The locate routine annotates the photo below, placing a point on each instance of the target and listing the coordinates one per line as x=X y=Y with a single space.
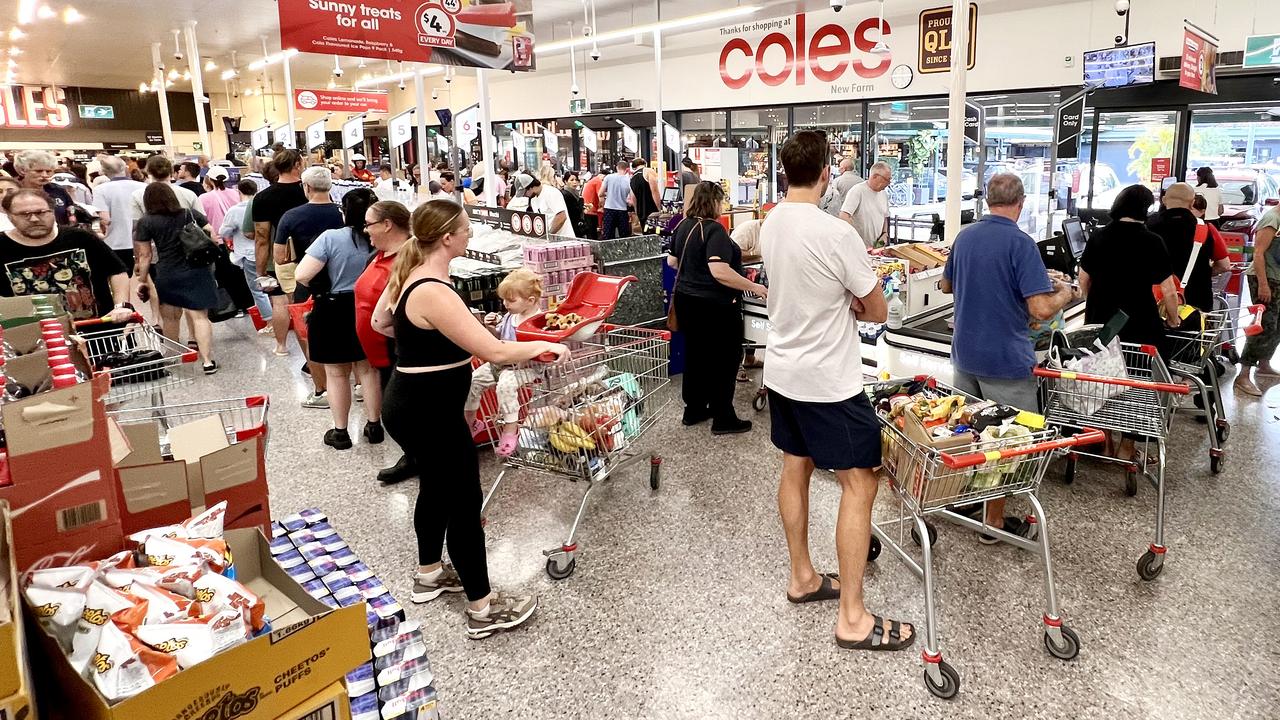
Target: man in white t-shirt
x=867 y=206
x=547 y=201
x=821 y=284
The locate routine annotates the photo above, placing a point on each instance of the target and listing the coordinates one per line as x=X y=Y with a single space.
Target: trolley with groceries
x=1138 y=397
x=585 y=418
x=142 y=362
x=935 y=460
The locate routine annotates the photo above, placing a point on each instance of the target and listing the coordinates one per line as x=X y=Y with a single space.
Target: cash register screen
x=670 y=195
x=1075 y=235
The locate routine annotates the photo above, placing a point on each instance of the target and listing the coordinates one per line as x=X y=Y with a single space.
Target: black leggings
x=423 y=414
x=713 y=351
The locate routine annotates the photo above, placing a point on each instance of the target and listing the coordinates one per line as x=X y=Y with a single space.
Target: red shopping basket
x=298 y=313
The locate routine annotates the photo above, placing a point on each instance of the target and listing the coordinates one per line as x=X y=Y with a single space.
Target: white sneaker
x=318 y=401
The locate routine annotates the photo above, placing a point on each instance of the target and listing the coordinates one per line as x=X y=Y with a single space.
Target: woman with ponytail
x=436 y=337
x=217 y=198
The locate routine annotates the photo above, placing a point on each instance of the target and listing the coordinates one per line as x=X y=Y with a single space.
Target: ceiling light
x=142 y=88
x=186 y=75
x=332 y=83
x=16 y=34
x=15 y=51
x=366 y=80
x=168 y=83
x=664 y=25
x=26 y=11
x=362 y=64
x=229 y=74
x=210 y=65
x=45 y=12
x=173 y=74
x=13 y=63
x=71 y=15
x=272 y=59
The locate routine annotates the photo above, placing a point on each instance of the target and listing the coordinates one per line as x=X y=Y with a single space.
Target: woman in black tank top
x=436 y=337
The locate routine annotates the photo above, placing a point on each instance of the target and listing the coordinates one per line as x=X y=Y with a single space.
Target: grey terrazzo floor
x=677 y=609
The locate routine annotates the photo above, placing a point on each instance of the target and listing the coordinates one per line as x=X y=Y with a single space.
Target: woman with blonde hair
x=547 y=175
x=436 y=335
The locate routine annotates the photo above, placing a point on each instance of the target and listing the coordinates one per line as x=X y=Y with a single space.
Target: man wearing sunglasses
x=40 y=257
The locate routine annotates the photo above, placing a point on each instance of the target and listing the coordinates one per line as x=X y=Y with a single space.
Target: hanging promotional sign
x=1161 y=168
x=589 y=140
x=444 y=32
x=33 y=107
x=1067 y=128
x=353 y=132
x=344 y=101
x=630 y=139
x=1199 y=62
x=672 y=137
x=443 y=143
x=315 y=135
x=551 y=142
x=400 y=129
x=261 y=137
x=283 y=135
x=828 y=55
x=466 y=127
x=935 y=39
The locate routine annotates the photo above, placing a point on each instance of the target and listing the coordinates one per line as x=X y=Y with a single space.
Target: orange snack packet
x=124 y=666
x=214 y=592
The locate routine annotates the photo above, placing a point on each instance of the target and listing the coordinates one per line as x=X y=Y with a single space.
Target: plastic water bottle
x=897 y=311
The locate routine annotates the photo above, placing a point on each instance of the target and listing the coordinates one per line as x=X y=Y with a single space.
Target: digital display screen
x=1074 y=231
x=1120 y=66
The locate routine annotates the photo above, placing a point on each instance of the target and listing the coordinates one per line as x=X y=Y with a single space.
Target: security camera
x=574 y=90
x=595 y=53
x=837 y=5
x=401 y=85
x=177 y=56
x=337 y=72
x=1122 y=7
x=1119 y=40
x=435 y=93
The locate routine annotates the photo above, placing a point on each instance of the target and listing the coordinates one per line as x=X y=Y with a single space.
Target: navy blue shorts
x=836 y=435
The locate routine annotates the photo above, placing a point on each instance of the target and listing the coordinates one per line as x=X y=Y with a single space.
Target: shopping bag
x=1104 y=360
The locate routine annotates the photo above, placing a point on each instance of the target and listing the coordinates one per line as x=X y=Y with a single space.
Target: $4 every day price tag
x=435 y=22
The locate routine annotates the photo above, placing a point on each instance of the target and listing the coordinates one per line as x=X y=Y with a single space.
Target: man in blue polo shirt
x=1000 y=284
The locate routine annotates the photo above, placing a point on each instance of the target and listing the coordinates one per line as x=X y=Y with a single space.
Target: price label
x=453 y=7
x=435 y=26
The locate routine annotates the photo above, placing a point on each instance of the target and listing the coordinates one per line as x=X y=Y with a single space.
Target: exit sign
x=577 y=106
x=98 y=112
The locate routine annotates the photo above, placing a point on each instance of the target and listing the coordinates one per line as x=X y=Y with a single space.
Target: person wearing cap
x=358 y=170
x=217 y=198
x=544 y=200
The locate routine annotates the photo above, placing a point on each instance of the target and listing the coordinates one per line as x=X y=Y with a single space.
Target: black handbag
x=197 y=246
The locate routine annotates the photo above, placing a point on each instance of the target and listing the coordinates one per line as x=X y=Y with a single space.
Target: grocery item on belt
x=208 y=524
x=123 y=666
x=214 y=592
x=103 y=604
x=194 y=640
x=57 y=610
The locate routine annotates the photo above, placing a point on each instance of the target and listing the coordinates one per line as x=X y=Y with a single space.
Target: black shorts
x=126 y=257
x=277 y=291
x=836 y=435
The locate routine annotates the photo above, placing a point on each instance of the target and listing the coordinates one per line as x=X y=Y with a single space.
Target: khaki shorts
x=287 y=276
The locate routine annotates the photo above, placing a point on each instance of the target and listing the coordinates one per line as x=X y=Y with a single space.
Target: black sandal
x=824 y=592
x=875 y=640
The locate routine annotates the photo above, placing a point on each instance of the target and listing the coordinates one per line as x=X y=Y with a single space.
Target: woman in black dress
x=708 y=301
x=185 y=290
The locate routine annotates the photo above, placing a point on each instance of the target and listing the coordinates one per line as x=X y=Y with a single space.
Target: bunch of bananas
x=556 y=321
x=567 y=437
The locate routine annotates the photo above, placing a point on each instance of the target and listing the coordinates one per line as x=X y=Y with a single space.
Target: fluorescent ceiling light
x=648 y=28
x=228 y=74
x=71 y=15
x=397 y=77
x=210 y=65
x=16 y=34
x=27 y=11
x=272 y=59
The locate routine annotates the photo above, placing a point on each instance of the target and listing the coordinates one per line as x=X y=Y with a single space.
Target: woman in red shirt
x=387 y=223
x=591 y=206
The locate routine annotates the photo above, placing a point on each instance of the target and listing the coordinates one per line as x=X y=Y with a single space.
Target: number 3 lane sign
x=435 y=24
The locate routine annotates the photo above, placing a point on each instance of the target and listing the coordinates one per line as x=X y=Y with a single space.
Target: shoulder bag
x=673 y=323
x=197 y=246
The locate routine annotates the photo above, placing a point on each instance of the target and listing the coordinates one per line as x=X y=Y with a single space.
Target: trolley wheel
x=655 y=472
x=1224 y=431
x=1069 y=472
x=556 y=572
x=1069 y=648
x=1150 y=565
x=1130 y=482
x=873 y=551
x=933 y=534
x=760 y=400
x=950 y=681
x=1217 y=463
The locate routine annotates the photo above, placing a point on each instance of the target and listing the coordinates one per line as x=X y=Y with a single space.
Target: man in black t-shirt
x=189 y=177
x=1176 y=225
x=38 y=257
x=646 y=204
x=299 y=227
x=36 y=169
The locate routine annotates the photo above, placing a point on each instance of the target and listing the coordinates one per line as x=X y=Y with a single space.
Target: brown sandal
x=825 y=591
x=875 y=640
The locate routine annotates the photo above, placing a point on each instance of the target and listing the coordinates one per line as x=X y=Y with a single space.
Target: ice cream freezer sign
x=450 y=32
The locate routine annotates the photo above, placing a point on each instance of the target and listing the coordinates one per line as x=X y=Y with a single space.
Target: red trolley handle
x=1173 y=388
x=91 y=322
x=1088 y=436
x=1255 y=327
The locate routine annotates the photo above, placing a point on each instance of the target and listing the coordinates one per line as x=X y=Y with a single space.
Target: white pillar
x=486 y=139
x=660 y=134
x=288 y=97
x=955 y=115
x=420 y=96
x=166 y=127
x=197 y=87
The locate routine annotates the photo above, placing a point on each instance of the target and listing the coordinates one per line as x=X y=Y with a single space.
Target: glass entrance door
x=1127 y=148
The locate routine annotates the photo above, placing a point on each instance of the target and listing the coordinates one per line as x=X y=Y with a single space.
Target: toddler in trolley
x=521 y=294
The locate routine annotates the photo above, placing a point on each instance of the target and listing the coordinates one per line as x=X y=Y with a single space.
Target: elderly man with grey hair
x=866 y=206
x=847 y=178
x=36 y=169
x=114 y=199
x=1000 y=284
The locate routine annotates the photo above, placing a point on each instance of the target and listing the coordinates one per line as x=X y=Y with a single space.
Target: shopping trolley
x=1193 y=356
x=930 y=482
x=141 y=361
x=583 y=418
x=1142 y=404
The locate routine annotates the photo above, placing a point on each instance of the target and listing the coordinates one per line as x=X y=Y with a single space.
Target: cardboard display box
x=63 y=500
x=207 y=466
x=15 y=686
x=328 y=704
x=310 y=647
x=20 y=310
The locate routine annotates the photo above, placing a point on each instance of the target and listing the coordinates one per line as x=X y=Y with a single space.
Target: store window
x=910 y=136
x=704 y=129
x=1128 y=148
x=757 y=135
x=1242 y=146
x=843 y=125
x=1018 y=139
